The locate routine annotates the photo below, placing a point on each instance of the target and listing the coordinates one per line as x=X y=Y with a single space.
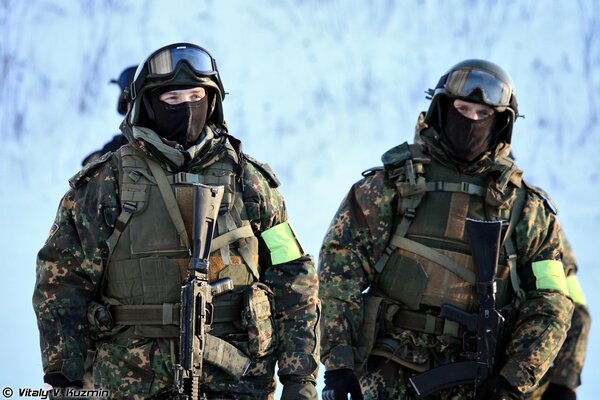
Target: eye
x=484 y=114
x=170 y=98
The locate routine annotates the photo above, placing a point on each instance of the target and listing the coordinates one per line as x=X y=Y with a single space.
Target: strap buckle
x=129 y=206
x=185 y=178
x=464 y=187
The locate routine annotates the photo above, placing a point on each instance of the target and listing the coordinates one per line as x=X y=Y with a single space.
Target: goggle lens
x=165 y=62
x=463 y=82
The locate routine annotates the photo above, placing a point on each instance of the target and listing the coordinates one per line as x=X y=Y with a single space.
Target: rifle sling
x=435 y=256
x=169 y=199
x=232 y=236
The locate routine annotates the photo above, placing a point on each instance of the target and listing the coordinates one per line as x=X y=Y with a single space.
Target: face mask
x=182 y=122
x=465 y=139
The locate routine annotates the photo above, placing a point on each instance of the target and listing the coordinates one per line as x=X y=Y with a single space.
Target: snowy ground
x=319 y=89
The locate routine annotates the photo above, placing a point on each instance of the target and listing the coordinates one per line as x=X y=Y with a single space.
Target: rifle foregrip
x=443 y=377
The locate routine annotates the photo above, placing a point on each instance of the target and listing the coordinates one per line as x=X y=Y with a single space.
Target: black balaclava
x=466 y=139
x=182 y=122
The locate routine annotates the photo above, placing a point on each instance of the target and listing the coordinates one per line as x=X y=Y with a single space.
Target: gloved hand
x=557 y=392
x=498 y=388
x=58 y=380
x=339 y=383
x=297 y=387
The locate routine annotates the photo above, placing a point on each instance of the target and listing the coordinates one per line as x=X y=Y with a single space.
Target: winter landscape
x=319 y=89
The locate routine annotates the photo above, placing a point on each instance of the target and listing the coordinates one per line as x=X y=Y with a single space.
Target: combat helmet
x=478 y=81
x=124 y=82
x=178 y=64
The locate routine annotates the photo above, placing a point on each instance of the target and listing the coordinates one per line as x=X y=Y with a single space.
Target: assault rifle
x=197 y=295
x=487 y=324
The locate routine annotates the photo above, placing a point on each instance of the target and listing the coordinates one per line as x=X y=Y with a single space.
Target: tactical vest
x=149 y=249
x=428 y=262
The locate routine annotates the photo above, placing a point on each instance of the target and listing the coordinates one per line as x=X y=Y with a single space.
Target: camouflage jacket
x=357 y=237
x=71 y=263
x=568 y=365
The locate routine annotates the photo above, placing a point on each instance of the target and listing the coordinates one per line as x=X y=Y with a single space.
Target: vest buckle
x=129 y=206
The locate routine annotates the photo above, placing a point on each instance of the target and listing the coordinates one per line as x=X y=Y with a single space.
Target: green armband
x=282 y=243
x=575 y=291
x=550 y=274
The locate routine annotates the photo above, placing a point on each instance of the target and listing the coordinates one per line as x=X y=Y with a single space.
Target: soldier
x=123 y=104
x=113 y=264
x=397 y=250
x=563 y=378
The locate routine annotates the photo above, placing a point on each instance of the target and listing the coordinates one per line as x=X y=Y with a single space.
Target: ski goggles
x=165 y=61
x=495 y=91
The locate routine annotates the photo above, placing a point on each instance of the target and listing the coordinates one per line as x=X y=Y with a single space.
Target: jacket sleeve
x=543 y=317
x=69 y=269
x=291 y=275
x=569 y=362
x=352 y=245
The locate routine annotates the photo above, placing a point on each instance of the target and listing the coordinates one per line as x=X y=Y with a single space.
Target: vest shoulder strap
x=132 y=195
x=509 y=241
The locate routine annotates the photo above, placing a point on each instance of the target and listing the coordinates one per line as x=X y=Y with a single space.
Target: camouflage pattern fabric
x=355 y=241
x=385 y=379
x=69 y=275
x=569 y=362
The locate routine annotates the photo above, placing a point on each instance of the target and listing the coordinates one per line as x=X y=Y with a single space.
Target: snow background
x=318 y=89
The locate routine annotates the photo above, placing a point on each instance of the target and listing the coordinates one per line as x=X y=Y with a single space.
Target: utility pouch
x=403 y=279
x=258 y=319
x=369 y=328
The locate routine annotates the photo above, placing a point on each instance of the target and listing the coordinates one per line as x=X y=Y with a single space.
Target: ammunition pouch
x=258 y=319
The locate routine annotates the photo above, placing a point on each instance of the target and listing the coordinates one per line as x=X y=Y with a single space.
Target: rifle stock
x=487 y=323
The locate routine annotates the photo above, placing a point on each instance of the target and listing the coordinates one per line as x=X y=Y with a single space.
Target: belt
x=427 y=323
x=169 y=314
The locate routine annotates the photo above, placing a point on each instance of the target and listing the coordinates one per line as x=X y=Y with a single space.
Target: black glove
x=58 y=380
x=339 y=383
x=498 y=388
x=557 y=392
